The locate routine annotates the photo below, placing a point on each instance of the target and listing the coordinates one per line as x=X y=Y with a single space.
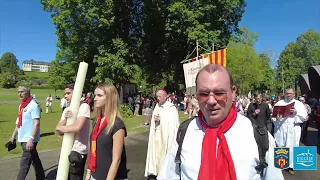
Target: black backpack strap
x=262 y=138
x=180 y=137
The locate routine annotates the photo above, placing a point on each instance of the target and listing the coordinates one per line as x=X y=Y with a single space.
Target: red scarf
x=92 y=163
x=23 y=104
x=217 y=166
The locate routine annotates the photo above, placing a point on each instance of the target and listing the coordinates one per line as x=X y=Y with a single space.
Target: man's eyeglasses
x=218 y=95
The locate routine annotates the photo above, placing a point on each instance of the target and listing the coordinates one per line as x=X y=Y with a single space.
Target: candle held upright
x=68 y=138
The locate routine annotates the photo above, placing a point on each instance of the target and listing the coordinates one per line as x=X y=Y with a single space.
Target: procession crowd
x=218 y=141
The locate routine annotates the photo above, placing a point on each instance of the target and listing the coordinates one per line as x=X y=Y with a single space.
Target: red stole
x=92 y=163
x=217 y=165
x=23 y=104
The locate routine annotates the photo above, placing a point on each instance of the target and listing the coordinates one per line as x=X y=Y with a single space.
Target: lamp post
x=282 y=81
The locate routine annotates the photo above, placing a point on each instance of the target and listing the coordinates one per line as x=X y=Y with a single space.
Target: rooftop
x=35 y=62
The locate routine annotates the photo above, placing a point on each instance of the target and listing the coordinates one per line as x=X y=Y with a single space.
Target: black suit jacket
x=263 y=117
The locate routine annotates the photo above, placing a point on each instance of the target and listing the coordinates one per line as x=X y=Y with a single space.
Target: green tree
x=289 y=66
x=9 y=63
x=139 y=78
x=9 y=69
x=307 y=48
x=245 y=66
x=60 y=74
x=297 y=57
x=112 y=66
x=246 y=36
x=251 y=71
x=179 y=24
x=155 y=35
x=267 y=82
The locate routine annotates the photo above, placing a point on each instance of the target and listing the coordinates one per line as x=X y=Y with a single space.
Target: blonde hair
x=112 y=105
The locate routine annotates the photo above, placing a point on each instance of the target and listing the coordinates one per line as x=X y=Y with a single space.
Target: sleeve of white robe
x=173 y=125
x=169 y=169
x=301 y=112
x=273 y=118
x=271 y=173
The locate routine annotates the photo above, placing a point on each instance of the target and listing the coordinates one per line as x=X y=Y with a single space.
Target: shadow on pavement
x=47 y=134
x=136 y=150
x=52 y=172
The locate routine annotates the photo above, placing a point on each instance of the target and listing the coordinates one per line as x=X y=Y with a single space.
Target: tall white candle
x=68 y=138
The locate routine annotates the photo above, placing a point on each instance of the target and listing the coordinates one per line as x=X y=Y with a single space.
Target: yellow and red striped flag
x=218 y=57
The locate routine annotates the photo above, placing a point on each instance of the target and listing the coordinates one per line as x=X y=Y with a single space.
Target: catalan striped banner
x=217 y=57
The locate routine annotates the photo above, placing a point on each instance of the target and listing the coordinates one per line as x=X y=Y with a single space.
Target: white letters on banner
x=191 y=70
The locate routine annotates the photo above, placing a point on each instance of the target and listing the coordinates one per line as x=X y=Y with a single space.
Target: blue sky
x=279 y=22
x=28 y=32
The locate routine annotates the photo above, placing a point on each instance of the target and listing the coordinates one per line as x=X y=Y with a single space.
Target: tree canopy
x=9 y=70
x=114 y=36
x=143 y=42
x=297 y=57
x=251 y=71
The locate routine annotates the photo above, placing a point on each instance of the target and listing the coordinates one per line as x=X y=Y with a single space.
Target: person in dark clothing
x=107 y=156
x=260 y=112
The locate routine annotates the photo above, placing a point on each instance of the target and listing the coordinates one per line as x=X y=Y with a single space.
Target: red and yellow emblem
x=281 y=157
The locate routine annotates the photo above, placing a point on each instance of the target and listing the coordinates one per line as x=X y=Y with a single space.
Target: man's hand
x=293 y=111
x=88 y=176
x=29 y=145
x=68 y=114
x=157 y=117
x=59 y=133
x=12 y=139
x=256 y=112
x=279 y=116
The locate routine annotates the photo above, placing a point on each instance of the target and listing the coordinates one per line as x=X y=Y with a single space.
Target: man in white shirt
x=49 y=103
x=219 y=143
x=81 y=128
x=287 y=130
x=28 y=131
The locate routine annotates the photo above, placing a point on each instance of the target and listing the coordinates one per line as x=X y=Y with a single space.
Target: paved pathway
x=136 y=147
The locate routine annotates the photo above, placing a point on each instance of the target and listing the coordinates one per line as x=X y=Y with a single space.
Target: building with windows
x=35 y=66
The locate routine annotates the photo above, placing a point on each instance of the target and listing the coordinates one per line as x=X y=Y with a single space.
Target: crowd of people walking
x=218 y=139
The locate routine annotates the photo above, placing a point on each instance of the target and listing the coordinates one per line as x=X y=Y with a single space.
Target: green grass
x=41 y=94
x=36 y=75
x=8 y=115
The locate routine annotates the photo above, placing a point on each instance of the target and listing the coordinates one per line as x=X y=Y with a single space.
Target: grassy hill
x=37 y=75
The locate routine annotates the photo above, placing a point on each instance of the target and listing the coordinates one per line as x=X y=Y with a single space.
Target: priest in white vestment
x=164 y=125
x=287 y=130
x=219 y=143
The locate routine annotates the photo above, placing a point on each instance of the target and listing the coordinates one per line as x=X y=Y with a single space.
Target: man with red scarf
x=28 y=131
x=219 y=144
